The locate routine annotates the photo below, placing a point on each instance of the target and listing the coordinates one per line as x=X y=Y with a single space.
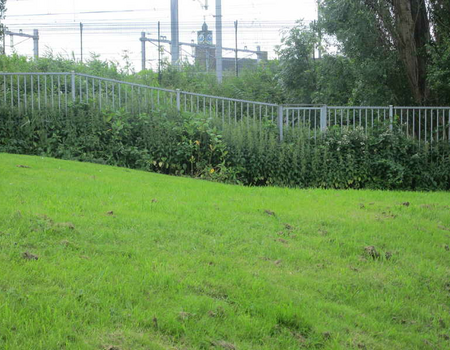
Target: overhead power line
x=82 y=13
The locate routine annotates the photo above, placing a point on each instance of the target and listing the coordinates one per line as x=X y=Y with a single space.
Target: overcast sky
x=111 y=27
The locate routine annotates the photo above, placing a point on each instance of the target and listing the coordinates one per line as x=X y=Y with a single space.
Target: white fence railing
x=36 y=91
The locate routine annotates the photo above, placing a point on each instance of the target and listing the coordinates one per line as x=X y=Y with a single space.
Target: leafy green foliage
x=377 y=37
x=2 y=26
x=342 y=158
x=439 y=72
x=60 y=63
x=162 y=142
x=244 y=152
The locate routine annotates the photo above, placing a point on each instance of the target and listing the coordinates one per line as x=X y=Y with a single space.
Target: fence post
x=73 y=85
x=280 y=121
x=391 y=116
x=323 y=118
x=178 y=100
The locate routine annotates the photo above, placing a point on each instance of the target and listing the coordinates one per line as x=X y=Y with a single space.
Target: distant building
x=205 y=54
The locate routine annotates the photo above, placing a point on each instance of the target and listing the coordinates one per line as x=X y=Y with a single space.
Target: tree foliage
x=2 y=8
x=2 y=12
x=379 y=52
x=2 y=27
x=400 y=35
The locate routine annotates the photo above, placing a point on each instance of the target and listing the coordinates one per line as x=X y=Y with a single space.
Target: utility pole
x=314 y=46
x=81 y=42
x=159 y=52
x=236 y=62
x=219 y=40
x=143 y=49
x=36 y=43
x=34 y=36
x=175 y=48
x=319 y=30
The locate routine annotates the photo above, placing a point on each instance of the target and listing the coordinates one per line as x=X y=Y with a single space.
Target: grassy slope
x=204 y=266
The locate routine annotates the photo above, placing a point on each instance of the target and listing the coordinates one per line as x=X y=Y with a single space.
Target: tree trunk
x=413 y=34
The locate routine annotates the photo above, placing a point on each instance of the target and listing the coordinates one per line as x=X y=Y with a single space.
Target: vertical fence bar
x=4 y=89
x=59 y=93
x=431 y=125
x=391 y=117
x=39 y=92
x=25 y=92
x=80 y=97
x=448 y=133
x=100 y=95
x=178 y=100
x=210 y=107
x=443 y=125
x=18 y=92
x=114 y=96
x=280 y=121
x=87 y=89
x=407 y=123
x=32 y=92
x=120 y=97
x=106 y=95
x=353 y=123
x=420 y=125
x=139 y=95
x=315 y=123
x=52 y=92
x=323 y=118
x=65 y=92
x=72 y=80
x=12 y=91
x=437 y=124
x=151 y=100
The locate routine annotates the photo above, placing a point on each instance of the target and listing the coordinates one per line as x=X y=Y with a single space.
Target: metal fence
x=426 y=124
x=37 y=91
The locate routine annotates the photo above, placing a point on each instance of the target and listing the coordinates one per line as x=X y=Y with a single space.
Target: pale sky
x=111 y=27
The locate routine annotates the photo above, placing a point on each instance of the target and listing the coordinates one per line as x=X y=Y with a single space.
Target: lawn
x=98 y=257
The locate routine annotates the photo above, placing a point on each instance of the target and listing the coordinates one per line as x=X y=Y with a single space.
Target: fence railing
x=36 y=91
x=426 y=124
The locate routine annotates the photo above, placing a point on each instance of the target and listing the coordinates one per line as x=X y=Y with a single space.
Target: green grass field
x=97 y=257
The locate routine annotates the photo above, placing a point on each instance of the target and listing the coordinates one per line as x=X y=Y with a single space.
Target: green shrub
x=244 y=153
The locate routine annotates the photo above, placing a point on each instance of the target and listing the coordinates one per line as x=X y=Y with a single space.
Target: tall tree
x=2 y=27
x=297 y=69
x=405 y=23
x=401 y=27
x=358 y=35
x=440 y=18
